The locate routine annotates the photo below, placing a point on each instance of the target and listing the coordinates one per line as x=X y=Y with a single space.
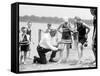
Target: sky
x=61 y=12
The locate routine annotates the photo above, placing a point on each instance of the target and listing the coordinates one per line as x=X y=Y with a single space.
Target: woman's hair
x=23 y=28
x=66 y=23
x=49 y=25
x=29 y=22
x=77 y=18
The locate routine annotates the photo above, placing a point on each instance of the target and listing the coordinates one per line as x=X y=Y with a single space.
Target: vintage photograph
x=53 y=37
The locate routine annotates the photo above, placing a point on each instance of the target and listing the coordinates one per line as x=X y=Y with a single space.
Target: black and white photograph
x=54 y=37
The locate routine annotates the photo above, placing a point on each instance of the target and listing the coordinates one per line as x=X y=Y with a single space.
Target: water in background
x=43 y=26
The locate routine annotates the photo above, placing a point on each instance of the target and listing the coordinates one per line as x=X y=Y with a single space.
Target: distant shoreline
x=52 y=20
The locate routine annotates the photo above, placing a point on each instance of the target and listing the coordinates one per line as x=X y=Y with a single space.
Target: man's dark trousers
x=42 y=51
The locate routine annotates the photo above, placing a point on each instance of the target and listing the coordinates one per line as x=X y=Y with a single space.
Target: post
x=39 y=35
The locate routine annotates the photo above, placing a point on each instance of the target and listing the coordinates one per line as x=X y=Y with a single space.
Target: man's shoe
x=52 y=60
x=35 y=59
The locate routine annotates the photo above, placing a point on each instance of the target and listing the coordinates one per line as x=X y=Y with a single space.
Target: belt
x=42 y=47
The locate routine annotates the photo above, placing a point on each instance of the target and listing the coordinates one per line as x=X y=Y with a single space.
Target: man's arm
x=50 y=46
x=45 y=31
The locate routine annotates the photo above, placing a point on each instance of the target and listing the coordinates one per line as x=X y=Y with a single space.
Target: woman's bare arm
x=87 y=27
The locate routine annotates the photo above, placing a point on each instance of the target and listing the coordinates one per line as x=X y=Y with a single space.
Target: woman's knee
x=79 y=44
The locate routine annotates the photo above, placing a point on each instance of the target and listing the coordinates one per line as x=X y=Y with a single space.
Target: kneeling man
x=46 y=44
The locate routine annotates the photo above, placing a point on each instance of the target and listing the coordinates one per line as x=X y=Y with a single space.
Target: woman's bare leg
x=80 y=51
x=22 y=56
x=67 y=49
x=61 y=54
x=25 y=56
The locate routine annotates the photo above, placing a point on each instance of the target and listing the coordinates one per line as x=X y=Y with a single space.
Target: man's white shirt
x=48 y=42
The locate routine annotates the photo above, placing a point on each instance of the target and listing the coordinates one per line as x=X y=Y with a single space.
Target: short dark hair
x=23 y=28
x=66 y=22
x=49 y=24
x=77 y=18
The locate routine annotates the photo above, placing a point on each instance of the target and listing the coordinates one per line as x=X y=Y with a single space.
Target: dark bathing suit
x=28 y=32
x=82 y=32
x=66 y=34
x=24 y=46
